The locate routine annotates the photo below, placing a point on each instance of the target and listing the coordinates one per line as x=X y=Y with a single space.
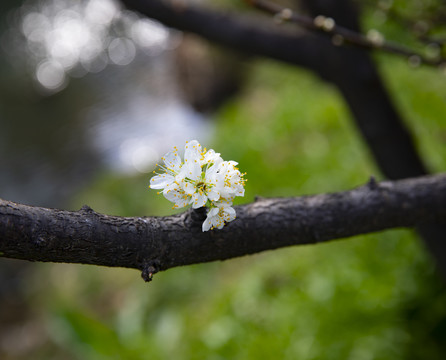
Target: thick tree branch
x=152 y=244
x=239 y=32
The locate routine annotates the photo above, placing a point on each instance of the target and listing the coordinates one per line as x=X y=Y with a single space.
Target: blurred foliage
x=369 y=297
x=419 y=25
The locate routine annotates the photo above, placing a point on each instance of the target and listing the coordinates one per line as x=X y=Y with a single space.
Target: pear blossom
x=203 y=178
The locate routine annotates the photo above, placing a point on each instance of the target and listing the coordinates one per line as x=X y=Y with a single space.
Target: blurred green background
x=368 y=297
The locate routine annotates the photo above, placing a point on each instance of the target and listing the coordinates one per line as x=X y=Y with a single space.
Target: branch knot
x=149 y=269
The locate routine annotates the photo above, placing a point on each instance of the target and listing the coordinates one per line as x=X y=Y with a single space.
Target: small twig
x=341 y=35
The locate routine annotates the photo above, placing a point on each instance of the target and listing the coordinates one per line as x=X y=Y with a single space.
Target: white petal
x=172 y=161
x=226 y=192
x=211 y=172
x=176 y=195
x=161 y=181
x=240 y=192
x=206 y=225
x=170 y=192
x=189 y=188
x=230 y=212
x=213 y=212
x=213 y=194
x=192 y=152
x=196 y=171
x=198 y=200
x=191 y=170
x=211 y=157
x=182 y=201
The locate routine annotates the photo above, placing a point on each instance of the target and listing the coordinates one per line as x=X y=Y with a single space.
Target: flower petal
x=192 y=152
x=213 y=194
x=206 y=225
x=230 y=214
x=211 y=157
x=191 y=170
x=175 y=194
x=172 y=161
x=198 y=200
x=161 y=181
x=189 y=188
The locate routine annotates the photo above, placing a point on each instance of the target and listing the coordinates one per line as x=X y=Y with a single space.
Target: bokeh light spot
x=51 y=75
x=121 y=51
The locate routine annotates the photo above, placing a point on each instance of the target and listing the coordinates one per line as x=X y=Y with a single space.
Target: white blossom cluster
x=202 y=178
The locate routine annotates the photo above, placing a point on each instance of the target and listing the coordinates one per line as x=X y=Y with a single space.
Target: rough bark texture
x=152 y=244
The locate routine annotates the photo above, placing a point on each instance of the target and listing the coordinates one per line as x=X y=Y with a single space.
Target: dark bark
x=152 y=244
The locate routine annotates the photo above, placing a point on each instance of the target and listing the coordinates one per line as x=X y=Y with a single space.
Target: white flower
x=219 y=215
x=203 y=178
x=198 y=174
x=198 y=184
x=230 y=181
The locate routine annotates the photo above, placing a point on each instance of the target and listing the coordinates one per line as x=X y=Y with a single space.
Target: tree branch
x=243 y=33
x=152 y=244
x=341 y=35
x=249 y=35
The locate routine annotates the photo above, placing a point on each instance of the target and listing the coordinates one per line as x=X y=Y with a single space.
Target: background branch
x=247 y=34
x=341 y=35
x=152 y=244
